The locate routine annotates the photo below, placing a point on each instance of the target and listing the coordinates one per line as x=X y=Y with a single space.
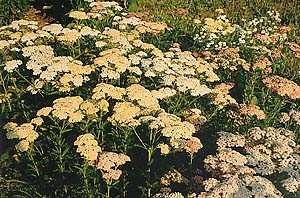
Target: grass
x=236 y=10
x=12 y=9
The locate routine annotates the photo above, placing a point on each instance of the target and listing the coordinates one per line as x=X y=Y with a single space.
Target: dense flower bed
x=93 y=110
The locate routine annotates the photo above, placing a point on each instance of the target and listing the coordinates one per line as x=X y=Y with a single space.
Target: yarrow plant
x=263 y=157
x=93 y=110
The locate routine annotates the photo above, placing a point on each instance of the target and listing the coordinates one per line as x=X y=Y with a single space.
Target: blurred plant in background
x=13 y=9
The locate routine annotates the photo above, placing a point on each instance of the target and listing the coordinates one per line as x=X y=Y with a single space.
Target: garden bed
x=105 y=102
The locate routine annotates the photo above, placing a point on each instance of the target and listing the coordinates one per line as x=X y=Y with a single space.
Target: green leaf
x=254 y=100
x=132 y=5
x=70 y=25
x=4 y=156
x=66 y=130
x=47 y=7
x=65 y=152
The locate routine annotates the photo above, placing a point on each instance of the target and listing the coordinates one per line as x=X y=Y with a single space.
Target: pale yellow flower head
x=87 y=146
x=78 y=15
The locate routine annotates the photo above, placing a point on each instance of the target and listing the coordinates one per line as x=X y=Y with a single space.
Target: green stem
x=60 y=142
x=252 y=87
x=29 y=155
x=6 y=92
x=190 y=163
x=139 y=138
x=15 y=181
x=100 y=128
x=191 y=159
x=213 y=114
x=150 y=149
x=39 y=150
x=79 y=47
x=108 y=185
x=86 y=125
x=24 y=77
x=20 y=102
x=193 y=101
x=85 y=179
x=149 y=186
x=276 y=109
